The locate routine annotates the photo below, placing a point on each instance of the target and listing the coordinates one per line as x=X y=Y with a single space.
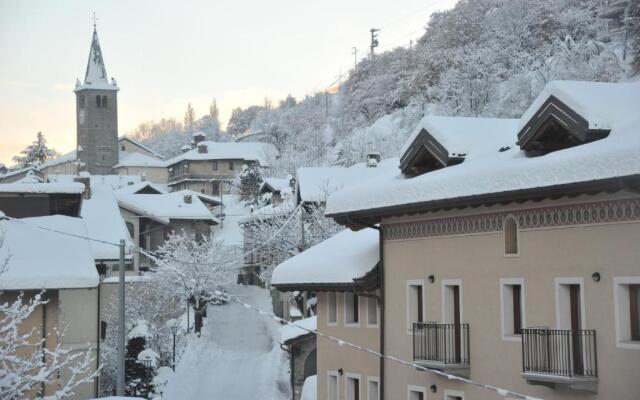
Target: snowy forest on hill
x=482 y=58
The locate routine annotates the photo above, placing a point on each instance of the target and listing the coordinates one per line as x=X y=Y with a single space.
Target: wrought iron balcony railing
x=557 y=355
x=437 y=344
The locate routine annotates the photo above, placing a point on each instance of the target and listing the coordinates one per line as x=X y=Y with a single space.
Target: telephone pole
x=355 y=57
x=374 y=39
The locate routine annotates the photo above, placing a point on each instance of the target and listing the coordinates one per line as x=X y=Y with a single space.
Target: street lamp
x=174 y=331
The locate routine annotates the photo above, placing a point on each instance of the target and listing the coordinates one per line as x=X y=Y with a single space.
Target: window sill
x=628 y=344
x=352 y=324
x=512 y=338
x=517 y=255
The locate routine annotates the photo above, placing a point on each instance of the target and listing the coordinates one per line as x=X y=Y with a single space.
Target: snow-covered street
x=237 y=356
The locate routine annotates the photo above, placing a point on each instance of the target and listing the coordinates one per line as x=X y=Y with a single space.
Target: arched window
x=510 y=236
x=104 y=101
x=98 y=102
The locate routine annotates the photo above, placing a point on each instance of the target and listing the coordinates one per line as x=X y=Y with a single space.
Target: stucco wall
x=152 y=174
x=478 y=261
x=333 y=357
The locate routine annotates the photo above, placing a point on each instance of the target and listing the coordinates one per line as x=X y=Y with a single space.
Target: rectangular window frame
x=506 y=321
x=230 y=165
x=352 y=376
x=559 y=282
x=416 y=389
x=421 y=307
x=214 y=165
x=446 y=283
x=346 y=308
x=371 y=379
x=453 y=393
x=336 y=308
x=622 y=311
x=333 y=374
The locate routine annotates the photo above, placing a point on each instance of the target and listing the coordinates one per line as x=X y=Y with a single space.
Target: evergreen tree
x=36 y=153
x=251 y=178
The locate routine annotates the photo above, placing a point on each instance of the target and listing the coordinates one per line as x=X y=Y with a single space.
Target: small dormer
x=426 y=154
x=555 y=126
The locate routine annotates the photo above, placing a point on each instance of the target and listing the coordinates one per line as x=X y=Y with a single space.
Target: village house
x=273 y=191
x=211 y=167
x=509 y=254
x=149 y=218
x=21 y=200
x=342 y=271
x=39 y=261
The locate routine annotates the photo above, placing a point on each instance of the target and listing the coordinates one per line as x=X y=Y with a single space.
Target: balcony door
x=452 y=313
x=570 y=319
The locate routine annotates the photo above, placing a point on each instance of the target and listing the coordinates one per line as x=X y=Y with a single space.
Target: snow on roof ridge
x=46 y=187
x=249 y=151
x=291 y=331
x=616 y=155
x=135 y=159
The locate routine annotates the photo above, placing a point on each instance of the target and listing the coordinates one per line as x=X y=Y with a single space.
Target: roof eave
x=374 y=215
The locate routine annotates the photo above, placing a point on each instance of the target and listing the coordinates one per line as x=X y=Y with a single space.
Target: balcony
x=552 y=356
x=444 y=347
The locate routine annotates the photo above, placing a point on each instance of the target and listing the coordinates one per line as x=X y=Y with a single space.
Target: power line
x=500 y=391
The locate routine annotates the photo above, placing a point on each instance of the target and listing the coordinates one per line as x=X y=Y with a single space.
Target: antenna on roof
x=94 y=20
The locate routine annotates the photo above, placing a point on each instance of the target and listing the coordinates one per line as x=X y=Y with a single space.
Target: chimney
x=185 y=148
x=202 y=148
x=85 y=178
x=187 y=199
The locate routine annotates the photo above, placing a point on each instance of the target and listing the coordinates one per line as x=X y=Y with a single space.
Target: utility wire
x=340 y=342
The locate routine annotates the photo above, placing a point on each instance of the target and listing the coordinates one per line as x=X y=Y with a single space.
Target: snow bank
x=310 y=388
x=41 y=259
x=615 y=156
x=340 y=259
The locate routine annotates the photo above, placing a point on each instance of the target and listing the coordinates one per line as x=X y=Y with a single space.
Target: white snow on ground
x=236 y=358
x=235 y=211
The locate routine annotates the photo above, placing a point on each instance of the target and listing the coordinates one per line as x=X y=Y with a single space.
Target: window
x=214 y=165
x=104 y=101
x=416 y=393
x=372 y=310
x=415 y=303
x=512 y=307
x=373 y=388
x=98 y=103
x=351 y=311
x=332 y=385
x=352 y=386
x=332 y=308
x=453 y=395
x=510 y=236
x=81 y=100
x=230 y=165
x=627 y=311
x=123 y=148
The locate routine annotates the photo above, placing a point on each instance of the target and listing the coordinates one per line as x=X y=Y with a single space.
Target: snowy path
x=237 y=357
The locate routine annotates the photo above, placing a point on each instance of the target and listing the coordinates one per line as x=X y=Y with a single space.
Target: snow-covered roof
x=460 y=135
x=114 y=181
x=48 y=188
x=316 y=183
x=139 y=186
x=205 y=198
x=142 y=146
x=135 y=159
x=612 y=105
x=277 y=184
x=104 y=222
x=15 y=172
x=70 y=156
x=41 y=259
x=346 y=256
x=30 y=177
x=96 y=75
x=165 y=207
x=290 y=331
x=229 y=151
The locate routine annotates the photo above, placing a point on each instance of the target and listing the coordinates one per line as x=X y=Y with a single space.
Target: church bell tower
x=97 y=115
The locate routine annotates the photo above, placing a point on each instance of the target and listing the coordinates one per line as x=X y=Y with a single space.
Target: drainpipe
x=291 y=366
x=382 y=304
x=97 y=381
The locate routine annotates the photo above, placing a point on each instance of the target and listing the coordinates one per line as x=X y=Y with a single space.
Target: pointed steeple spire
x=96 y=75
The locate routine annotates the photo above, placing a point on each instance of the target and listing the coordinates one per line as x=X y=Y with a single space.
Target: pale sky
x=165 y=54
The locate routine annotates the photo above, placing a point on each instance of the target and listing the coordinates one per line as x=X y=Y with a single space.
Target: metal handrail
x=441 y=343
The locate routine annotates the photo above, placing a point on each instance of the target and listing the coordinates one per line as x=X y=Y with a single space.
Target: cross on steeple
x=94 y=20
